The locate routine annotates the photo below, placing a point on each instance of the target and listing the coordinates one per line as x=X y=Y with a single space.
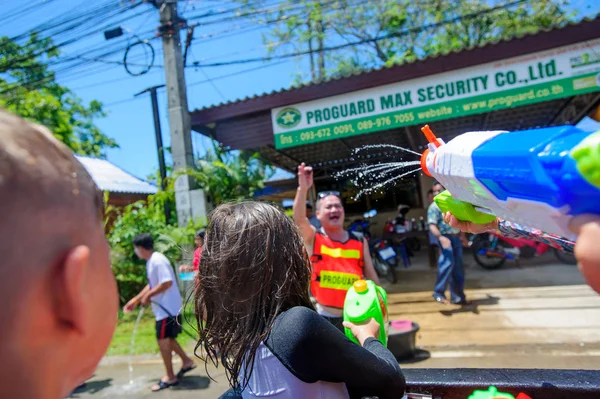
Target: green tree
x=28 y=88
x=230 y=175
x=385 y=32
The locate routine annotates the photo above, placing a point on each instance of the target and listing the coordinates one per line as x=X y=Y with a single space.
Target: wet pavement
x=538 y=315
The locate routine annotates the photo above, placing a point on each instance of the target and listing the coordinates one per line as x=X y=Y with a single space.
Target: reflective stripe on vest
x=340 y=252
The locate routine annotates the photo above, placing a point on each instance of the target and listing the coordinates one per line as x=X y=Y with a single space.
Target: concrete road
x=539 y=315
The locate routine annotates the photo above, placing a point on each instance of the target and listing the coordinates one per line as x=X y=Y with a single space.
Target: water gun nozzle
x=432 y=140
x=430 y=136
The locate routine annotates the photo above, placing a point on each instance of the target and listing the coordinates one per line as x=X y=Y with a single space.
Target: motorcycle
x=382 y=253
x=491 y=251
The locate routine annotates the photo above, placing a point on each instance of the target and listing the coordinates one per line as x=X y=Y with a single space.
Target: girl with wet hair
x=253 y=294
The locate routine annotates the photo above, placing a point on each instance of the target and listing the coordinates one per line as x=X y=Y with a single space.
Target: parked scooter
x=382 y=253
x=491 y=251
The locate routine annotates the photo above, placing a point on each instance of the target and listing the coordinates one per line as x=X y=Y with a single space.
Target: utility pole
x=159 y=142
x=179 y=117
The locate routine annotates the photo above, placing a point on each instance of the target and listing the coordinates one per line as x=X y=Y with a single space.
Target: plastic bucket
x=402 y=338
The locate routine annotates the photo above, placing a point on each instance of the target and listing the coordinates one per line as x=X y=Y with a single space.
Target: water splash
x=369 y=177
x=396 y=147
x=132 y=345
x=385 y=183
x=361 y=171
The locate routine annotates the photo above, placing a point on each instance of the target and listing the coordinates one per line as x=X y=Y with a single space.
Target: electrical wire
x=364 y=41
x=107 y=82
x=63 y=43
x=145 y=44
x=212 y=83
x=294 y=4
x=207 y=80
x=83 y=61
x=24 y=11
x=239 y=72
x=66 y=19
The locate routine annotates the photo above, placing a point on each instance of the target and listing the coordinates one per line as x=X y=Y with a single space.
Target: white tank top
x=271 y=379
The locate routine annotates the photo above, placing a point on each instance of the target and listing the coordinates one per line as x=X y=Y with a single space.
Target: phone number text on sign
x=327 y=132
x=346 y=129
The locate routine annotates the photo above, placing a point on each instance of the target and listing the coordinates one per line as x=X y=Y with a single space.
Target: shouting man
x=339 y=257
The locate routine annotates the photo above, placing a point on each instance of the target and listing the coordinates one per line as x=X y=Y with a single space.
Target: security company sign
x=543 y=76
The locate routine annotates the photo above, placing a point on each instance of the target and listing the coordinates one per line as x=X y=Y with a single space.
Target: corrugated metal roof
x=111 y=178
x=489 y=44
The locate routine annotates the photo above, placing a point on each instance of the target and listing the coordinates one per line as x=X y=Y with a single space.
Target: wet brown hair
x=254 y=266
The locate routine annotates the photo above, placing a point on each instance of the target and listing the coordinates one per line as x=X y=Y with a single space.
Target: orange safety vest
x=336 y=266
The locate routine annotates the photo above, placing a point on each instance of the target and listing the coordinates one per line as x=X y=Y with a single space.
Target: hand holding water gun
x=538 y=178
x=365 y=312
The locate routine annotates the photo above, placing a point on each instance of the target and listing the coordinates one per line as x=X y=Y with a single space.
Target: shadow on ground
x=91 y=387
x=420 y=356
x=192 y=382
x=472 y=307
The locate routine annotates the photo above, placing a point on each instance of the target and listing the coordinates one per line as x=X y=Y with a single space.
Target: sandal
x=185 y=370
x=164 y=385
x=440 y=299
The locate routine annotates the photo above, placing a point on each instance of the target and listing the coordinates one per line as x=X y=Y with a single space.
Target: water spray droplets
x=132 y=344
x=370 y=190
x=396 y=147
x=375 y=178
x=365 y=171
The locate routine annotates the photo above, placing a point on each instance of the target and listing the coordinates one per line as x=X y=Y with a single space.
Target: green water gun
x=365 y=300
x=493 y=393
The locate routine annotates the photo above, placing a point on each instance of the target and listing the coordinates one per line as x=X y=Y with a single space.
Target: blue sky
x=129 y=120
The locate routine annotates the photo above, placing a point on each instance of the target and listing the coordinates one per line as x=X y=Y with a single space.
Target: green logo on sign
x=288 y=117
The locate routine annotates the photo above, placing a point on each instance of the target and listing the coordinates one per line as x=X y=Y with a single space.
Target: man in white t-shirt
x=162 y=293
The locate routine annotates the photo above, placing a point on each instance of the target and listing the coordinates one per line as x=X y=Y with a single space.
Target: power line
x=364 y=41
x=107 y=82
x=96 y=58
x=24 y=11
x=212 y=83
x=46 y=26
x=295 y=5
x=62 y=44
x=127 y=100
x=239 y=72
x=227 y=11
x=78 y=61
x=73 y=61
x=206 y=80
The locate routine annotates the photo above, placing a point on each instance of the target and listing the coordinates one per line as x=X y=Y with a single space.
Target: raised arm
x=305 y=181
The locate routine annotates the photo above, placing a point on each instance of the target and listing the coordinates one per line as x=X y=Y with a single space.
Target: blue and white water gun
x=539 y=178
